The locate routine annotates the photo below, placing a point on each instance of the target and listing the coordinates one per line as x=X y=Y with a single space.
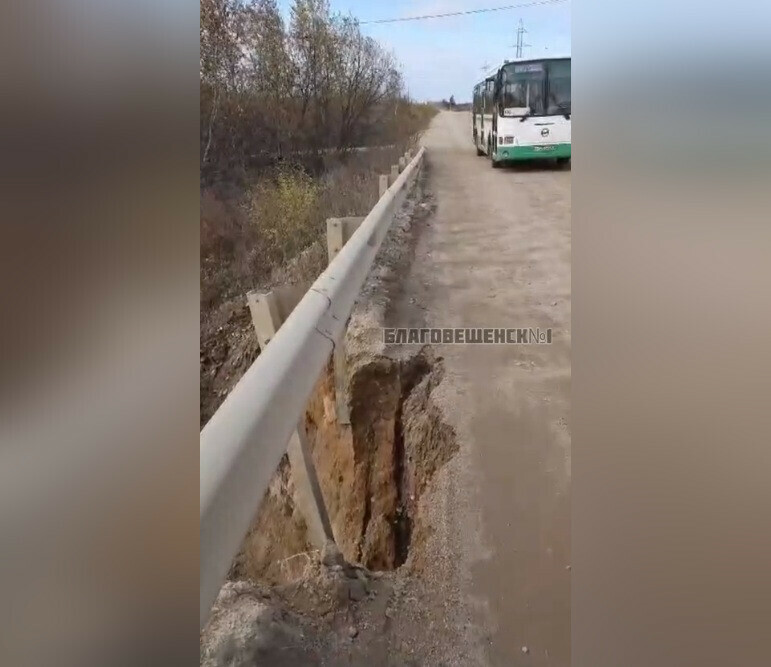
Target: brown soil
x=372 y=473
x=272 y=551
x=228 y=347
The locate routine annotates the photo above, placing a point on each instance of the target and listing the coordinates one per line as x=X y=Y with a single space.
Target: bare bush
x=270 y=89
x=285 y=213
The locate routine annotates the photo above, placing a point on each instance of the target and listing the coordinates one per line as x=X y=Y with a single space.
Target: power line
x=463 y=13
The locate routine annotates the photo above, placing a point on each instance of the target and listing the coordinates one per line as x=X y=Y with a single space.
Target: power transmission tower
x=520 y=45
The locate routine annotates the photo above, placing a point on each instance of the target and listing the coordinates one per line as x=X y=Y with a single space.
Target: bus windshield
x=536 y=88
x=558 y=95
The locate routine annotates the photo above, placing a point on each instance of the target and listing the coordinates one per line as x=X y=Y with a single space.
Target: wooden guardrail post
x=382 y=185
x=339 y=230
x=269 y=311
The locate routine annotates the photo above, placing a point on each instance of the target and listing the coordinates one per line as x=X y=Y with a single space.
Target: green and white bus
x=522 y=111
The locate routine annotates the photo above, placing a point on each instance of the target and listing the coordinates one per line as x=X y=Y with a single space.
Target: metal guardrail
x=331 y=151
x=242 y=444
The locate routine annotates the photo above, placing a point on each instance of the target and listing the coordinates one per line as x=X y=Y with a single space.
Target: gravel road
x=497 y=254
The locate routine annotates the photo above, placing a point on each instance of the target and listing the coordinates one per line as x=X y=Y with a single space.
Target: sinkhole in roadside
x=374 y=472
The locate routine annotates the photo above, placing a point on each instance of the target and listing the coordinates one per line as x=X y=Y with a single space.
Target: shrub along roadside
x=284 y=209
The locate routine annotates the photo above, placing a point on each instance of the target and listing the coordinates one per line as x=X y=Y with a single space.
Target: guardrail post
x=402 y=164
x=408 y=156
x=382 y=185
x=339 y=230
x=269 y=310
x=394 y=174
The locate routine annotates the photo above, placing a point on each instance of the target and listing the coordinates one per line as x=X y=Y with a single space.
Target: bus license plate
x=543 y=148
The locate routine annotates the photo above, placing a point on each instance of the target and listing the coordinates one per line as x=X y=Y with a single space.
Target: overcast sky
x=443 y=57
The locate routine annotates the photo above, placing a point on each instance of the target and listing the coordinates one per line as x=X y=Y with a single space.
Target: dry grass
x=247 y=235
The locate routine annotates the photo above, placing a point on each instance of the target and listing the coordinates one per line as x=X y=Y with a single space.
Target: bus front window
x=522 y=88
x=559 y=87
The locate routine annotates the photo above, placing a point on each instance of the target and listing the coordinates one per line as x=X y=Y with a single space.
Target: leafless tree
x=269 y=89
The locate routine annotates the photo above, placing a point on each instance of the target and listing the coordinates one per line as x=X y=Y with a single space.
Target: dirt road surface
x=497 y=254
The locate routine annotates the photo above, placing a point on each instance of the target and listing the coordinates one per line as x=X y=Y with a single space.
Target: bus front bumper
x=532 y=152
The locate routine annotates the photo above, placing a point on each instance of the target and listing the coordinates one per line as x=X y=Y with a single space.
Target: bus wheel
x=480 y=151
x=563 y=161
